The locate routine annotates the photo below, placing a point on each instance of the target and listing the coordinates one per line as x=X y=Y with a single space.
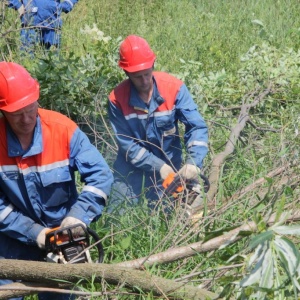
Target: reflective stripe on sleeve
x=70 y=2
x=139 y=156
x=198 y=143
x=5 y=212
x=94 y=190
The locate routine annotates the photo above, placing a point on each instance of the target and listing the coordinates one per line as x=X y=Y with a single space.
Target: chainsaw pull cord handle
x=99 y=245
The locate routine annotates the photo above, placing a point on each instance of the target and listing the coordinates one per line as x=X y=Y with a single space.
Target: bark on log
x=43 y=272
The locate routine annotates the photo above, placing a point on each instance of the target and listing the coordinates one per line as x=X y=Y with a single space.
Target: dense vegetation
x=229 y=53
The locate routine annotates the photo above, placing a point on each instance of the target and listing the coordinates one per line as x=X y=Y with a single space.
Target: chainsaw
x=71 y=245
x=188 y=190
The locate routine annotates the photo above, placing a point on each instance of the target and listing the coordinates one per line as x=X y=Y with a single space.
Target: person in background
x=145 y=111
x=40 y=152
x=41 y=21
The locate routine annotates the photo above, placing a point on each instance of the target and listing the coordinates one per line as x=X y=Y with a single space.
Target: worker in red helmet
x=145 y=111
x=40 y=152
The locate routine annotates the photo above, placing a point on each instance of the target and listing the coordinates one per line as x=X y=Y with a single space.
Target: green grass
x=216 y=33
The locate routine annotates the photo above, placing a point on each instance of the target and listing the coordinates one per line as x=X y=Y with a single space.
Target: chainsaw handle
x=99 y=245
x=173 y=184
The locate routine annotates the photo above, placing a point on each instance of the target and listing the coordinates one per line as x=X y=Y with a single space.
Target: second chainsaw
x=189 y=191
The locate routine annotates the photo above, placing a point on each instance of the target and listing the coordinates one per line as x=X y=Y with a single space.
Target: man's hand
x=41 y=238
x=71 y=221
x=165 y=170
x=189 y=171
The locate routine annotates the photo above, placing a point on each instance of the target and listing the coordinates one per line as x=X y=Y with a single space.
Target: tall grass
x=213 y=32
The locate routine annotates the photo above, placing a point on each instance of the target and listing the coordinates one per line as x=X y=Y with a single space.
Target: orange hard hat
x=136 y=54
x=17 y=88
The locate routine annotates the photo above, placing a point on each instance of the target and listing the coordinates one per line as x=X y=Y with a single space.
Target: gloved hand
x=189 y=171
x=70 y=221
x=165 y=170
x=41 y=238
x=21 y=10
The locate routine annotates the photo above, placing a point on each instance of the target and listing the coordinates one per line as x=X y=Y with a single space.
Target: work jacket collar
x=155 y=101
x=14 y=146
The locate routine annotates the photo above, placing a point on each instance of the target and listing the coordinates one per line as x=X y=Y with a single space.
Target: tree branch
x=52 y=273
x=177 y=253
x=219 y=159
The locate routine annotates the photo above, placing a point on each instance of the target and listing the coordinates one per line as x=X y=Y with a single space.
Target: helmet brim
x=21 y=103
x=137 y=68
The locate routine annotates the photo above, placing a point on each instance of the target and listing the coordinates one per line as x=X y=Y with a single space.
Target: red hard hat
x=136 y=54
x=17 y=88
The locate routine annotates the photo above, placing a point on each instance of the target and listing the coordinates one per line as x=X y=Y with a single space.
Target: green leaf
x=125 y=243
x=291 y=229
x=261 y=238
x=259 y=251
x=269 y=180
x=267 y=274
x=245 y=233
x=290 y=257
x=282 y=219
x=254 y=275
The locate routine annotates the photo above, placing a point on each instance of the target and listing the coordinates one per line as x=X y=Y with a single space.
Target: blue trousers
x=129 y=191
x=30 y=37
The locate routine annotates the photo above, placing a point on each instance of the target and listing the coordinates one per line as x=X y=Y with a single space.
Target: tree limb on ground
x=124 y=273
x=195 y=248
x=219 y=159
x=51 y=273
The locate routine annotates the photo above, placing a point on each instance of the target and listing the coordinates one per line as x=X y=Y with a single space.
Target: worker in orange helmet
x=145 y=111
x=40 y=152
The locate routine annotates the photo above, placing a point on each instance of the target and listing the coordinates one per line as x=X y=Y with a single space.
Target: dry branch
x=219 y=159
